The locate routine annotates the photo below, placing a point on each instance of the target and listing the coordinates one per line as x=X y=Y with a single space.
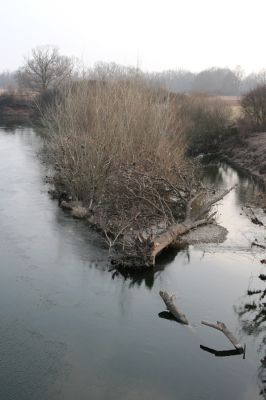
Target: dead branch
x=171 y=306
x=189 y=206
x=206 y=208
x=220 y=326
x=169 y=237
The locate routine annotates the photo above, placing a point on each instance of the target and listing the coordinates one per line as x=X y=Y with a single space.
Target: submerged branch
x=220 y=326
x=172 y=307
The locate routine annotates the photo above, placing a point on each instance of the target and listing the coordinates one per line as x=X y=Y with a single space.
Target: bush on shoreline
x=254 y=109
x=97 y=127
x=208 y=121
x=119 y=147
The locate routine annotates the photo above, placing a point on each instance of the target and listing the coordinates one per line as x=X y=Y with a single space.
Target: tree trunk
x=169 y=237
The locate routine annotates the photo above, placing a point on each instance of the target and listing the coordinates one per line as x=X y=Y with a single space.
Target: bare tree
x=45 y=69
x=254 y=108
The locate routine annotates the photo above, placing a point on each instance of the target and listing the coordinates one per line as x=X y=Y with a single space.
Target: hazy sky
x=168 y=34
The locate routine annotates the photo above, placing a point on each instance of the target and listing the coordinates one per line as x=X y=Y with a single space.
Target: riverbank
x=249 y=154
x=15 y=109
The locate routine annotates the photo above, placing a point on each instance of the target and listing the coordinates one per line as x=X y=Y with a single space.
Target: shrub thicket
x=207 y=121
x=254 y=109
x=119 y=147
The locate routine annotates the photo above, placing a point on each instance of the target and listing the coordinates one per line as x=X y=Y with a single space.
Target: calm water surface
x=69 y=329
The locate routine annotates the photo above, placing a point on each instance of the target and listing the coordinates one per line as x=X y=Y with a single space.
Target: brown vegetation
x=209 y=121
x=119 y=147
x=254 y=109
x=15 y=107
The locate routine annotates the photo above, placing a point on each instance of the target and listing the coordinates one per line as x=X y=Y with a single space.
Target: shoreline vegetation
x=16 y=109
x=119 y=151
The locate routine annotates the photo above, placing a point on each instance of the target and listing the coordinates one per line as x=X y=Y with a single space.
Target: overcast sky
x=161 y=34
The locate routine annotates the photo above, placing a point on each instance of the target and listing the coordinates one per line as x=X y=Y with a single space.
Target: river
x=70 y=328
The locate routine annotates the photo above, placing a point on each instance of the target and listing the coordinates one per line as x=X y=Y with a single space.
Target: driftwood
x=220 y=326
x=171 y=306
x=168 y=238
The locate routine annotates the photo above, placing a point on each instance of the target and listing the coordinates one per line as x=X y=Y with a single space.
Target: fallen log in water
x=205 y=209
x=220 y=326
x=168 y=238
x=171 y=306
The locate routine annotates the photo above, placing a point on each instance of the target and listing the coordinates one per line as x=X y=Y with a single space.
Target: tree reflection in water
x=147 y=275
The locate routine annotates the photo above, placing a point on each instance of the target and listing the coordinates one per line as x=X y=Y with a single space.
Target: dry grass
x=99 y=127
x=235 y=104
x=119 y=147
x=208 y=120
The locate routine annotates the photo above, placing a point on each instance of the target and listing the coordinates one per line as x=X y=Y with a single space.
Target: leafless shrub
x=100 y=126
x=254 y=108
x=208 y=121
x=119 y=148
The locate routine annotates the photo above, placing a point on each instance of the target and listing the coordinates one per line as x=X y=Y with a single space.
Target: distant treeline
x=214 y=81
x=8 y=81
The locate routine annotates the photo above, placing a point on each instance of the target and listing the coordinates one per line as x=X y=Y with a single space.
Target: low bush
x=208 y=122
x=119 y=147
x=254 y=109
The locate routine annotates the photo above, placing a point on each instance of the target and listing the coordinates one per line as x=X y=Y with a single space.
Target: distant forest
x=8 y=81
x=214 y=81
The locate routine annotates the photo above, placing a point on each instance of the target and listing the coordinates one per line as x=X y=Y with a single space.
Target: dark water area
x=70 y=328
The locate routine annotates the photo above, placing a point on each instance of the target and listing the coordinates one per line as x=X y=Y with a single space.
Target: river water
x=70 y=328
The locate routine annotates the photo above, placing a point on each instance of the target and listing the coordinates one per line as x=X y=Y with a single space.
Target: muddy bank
x=248 y=154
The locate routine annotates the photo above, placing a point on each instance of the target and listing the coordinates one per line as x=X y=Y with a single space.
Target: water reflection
x=222 y=353
x=68 y=330
x=11 y=123
x=147 y=276
x=220 y=174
